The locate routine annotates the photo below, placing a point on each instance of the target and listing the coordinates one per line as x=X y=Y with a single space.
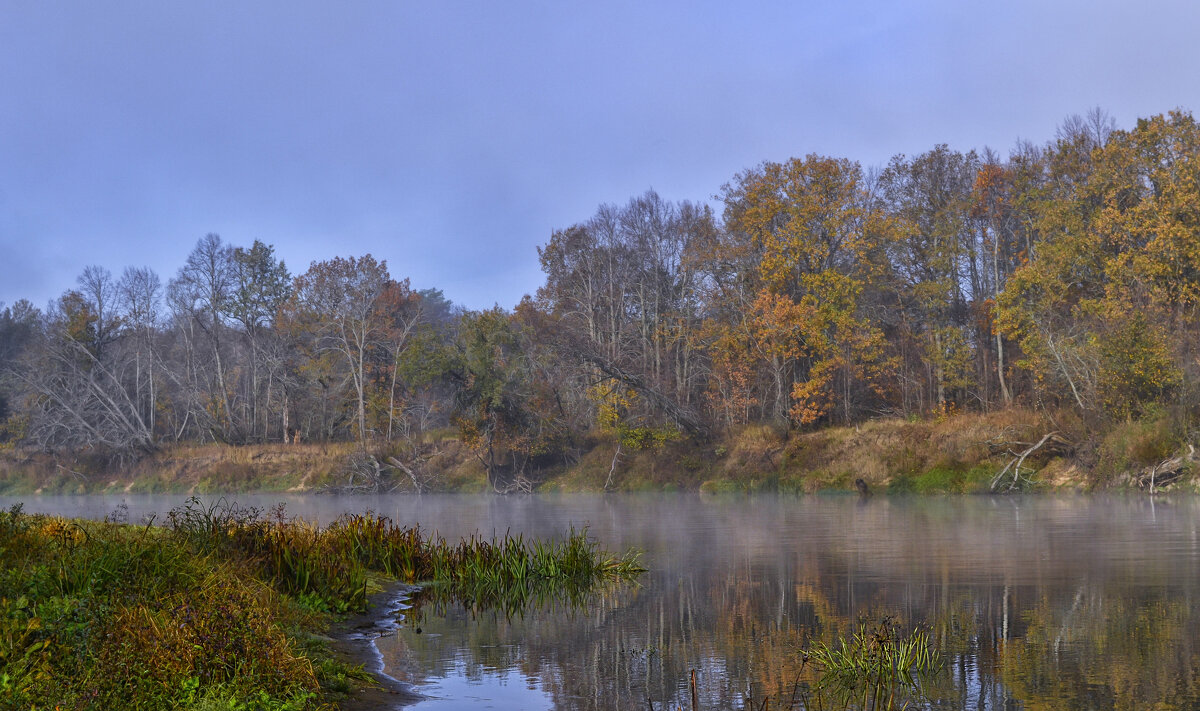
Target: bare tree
x=96 y=285
x=261 y=286
x=202 y=292
x=336 y=303
x=81 y=392
x=139 y=292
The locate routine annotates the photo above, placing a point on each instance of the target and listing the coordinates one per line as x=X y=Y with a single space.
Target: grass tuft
x=875 y=668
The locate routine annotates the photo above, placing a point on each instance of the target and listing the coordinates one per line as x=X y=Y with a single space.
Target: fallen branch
x=519 y=485
x=396 y=463
x=1052 y=441
x=1165 y=472
x=72 y=472
x=682 y=416
x=368 y=475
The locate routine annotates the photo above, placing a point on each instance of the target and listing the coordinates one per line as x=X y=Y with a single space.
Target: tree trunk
x=1004 y=392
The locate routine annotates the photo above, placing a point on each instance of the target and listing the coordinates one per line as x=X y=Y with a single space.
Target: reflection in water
x=1035 y=603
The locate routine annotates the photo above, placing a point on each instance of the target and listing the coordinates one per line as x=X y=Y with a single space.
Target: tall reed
x=329 y=566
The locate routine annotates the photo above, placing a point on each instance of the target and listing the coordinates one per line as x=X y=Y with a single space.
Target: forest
x=1062 y=278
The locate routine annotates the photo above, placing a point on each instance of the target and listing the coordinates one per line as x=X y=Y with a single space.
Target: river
x=1042 y=602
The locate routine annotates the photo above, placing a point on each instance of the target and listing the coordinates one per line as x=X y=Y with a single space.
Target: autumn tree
x=352 y=309
x=814 y=243
x=937 y=260
x=337 y=303
x=423 y=363
x=1117 y=263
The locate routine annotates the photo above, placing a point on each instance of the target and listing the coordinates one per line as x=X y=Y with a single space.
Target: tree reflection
x=1056 y=624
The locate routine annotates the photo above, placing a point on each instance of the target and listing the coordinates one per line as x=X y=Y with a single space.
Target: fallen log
x=367 y=474
x=1166 y=472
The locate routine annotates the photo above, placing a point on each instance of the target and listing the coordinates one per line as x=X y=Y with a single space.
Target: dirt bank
x=960 y=454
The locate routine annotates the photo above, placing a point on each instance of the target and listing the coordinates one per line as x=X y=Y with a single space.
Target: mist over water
x=1036 y=602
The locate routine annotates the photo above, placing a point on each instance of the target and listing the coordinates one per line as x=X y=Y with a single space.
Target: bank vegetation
x=223 y=607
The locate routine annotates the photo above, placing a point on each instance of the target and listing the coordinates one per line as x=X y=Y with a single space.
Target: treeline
x=1065 y=276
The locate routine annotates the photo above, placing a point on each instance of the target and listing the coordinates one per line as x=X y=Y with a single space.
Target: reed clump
x=875 y=668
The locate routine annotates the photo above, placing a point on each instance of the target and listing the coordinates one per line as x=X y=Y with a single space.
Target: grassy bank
x=951 y=455
x=222 y=607
x=958 y=454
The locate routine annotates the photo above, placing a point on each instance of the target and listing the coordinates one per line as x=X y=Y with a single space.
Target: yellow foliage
x=616 y=404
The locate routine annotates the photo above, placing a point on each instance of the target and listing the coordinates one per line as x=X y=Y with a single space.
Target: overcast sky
x=452 y=139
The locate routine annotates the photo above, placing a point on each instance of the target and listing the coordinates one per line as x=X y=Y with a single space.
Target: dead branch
x=368 y=475
x=412 y=475
x=686 y=419
x=1050 y=443
x=75 y=474
x=1166 y=472
x=519 y=485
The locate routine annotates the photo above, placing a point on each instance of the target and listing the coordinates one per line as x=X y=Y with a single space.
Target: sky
x=453 y=138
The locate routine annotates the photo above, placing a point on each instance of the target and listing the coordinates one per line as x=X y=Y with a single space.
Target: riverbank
x=231 y=608
x=965 y=453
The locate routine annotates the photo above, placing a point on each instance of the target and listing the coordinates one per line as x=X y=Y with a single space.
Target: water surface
x=1036 y=602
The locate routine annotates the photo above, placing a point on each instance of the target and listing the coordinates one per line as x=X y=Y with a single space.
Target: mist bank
x=1011 y=450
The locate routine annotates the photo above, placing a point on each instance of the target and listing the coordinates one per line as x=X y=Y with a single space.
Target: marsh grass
x=435 y=601
x=215 y=608
x=329 y=567
x=103 y=615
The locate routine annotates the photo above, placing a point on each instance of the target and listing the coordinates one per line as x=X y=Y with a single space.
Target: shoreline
x=353 y=640
x=1011 y=450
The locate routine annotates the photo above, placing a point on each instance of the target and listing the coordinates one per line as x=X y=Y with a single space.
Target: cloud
x=452 y=139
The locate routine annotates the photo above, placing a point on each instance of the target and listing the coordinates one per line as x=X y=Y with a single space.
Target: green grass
x=877 y=668
x=99 y=615
x=943 y=480
x=329 y=567
x=216 y=608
